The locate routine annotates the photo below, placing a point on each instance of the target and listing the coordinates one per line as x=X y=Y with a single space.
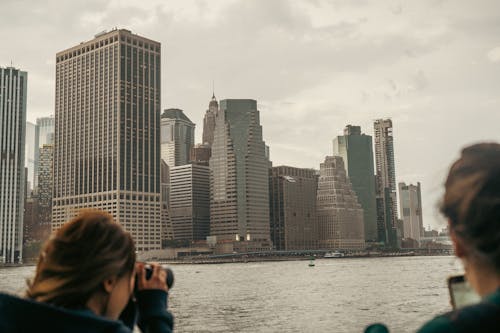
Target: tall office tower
x=190 y=201
x=387 y=215
x=167 y=233
x=177 y=137
x=107 y=133
x=45 y=184
x=13 y=90
x=292 y=194
x=239 y=209
x=209 y=121
x=44 y=135
x=30 y=153
x=340 y=216
x=410 y=203
x=200 y=154
x=356 y=149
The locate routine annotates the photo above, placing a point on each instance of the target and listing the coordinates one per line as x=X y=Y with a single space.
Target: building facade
x=356 y=150
x=340 y=216
x=190 y=202
x=410 y=203
x=44 y=135
x=386 y=200
x=45 y=184
x=292 y=194
x=13 y=91
x=209 y=121
x=239 y=205
x=200 y=154
x=30 y=154
x=107 y=133
x=177 y=137
x=167 y=233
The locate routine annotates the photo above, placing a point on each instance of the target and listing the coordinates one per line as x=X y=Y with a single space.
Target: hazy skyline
x=312 y=66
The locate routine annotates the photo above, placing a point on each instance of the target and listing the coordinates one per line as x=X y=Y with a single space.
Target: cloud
x=494 y=54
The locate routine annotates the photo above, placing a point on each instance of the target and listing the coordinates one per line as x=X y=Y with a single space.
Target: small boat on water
x=334 y=254
x=311 y=262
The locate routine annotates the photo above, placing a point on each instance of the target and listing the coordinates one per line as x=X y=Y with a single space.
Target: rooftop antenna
x=213 y=89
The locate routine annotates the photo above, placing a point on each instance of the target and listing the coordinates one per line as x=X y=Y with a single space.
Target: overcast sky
x=313 y=67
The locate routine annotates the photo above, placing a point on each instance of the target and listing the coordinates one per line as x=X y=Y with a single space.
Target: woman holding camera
x=85 y=280
x=472 y=205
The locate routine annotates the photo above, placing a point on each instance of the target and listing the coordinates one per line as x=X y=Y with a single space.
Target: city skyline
x=344 y=63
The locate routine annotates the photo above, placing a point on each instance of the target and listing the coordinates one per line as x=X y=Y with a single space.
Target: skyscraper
x=340 y=216
x=44 y=135
x=292 y=193
x=200 y=154
x=209 y=121
x=357 y=152
x=177 y=137
x=387 y=215
x=190 y=201
x=30 y=153
x=167 y=232
x=13 y=91
x=410 y=203
x=107 y=133
x=45 y=184
x=239 y=209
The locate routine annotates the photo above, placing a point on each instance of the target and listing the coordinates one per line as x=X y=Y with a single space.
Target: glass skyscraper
x=356 y=150
x=239 y=209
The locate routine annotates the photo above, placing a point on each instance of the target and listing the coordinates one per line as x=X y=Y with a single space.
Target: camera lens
x=149 y=272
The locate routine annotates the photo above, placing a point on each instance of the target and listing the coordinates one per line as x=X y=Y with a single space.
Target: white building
x=410 y=203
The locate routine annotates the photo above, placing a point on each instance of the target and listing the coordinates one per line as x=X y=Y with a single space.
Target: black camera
x=149 y=272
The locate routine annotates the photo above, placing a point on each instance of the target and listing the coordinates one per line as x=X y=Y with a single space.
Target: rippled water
x=337 y=295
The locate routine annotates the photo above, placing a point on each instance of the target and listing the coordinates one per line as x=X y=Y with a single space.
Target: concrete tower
x=13 y=90
x=387 y=215
x=107 y=133
x=340 y=216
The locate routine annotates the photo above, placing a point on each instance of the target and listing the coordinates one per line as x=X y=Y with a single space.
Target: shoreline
x=213 y=261
x=254 y=259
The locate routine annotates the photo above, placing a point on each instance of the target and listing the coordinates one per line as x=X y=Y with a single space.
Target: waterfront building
x=44 y=135
x=190 y=202
x=30 y=153
x=167 y=233
x=107 y=133
x=209 y=121
x=340 y=215
x=239 y=185
x=13 y=92
x=200 y=154
x=292 y=194
x=356 y=150
x=177 y=137
x=386 y=202
x=45 y=184
x=410 y=203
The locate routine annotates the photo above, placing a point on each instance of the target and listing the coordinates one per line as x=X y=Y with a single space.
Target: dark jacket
x=482 y=317
x=23 y=315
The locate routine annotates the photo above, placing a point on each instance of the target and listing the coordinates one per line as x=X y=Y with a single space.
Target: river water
x=337 y=295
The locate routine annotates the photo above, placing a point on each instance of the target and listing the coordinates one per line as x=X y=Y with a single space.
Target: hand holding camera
x=153 y=276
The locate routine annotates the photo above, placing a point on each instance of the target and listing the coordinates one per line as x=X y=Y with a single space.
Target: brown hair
x=472 y=199
x=77 y=259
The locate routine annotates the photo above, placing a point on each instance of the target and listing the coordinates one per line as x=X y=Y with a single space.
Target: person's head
x=88 y=262
x=472 y=205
